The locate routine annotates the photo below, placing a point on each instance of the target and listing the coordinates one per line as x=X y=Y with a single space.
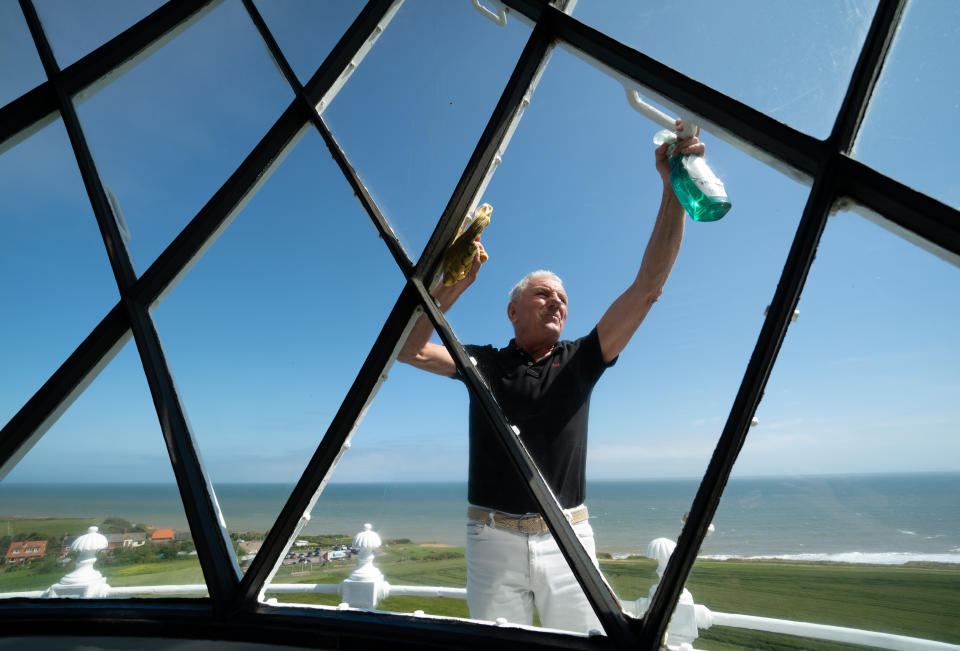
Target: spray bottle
x=698 y=189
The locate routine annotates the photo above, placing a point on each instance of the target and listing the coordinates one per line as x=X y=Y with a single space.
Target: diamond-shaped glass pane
x=579 y=198
x=20 y=67
x=55 y=280
x=791 y=61
x=404 y=475
x=102 y=465
x=410 y=116
x=842 y=506
x=307 y=30
x=894 y=138
x=267 y=331
x=77 y=28
x=168 y=133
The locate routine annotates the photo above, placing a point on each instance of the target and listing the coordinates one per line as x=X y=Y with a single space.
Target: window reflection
x=104 y=465
x=846 y=489
x=410 y=116
x=256 y=334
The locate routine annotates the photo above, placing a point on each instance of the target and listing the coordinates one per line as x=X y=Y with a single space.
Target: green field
x=47 y=527
x=915 y=599
x=919 y=600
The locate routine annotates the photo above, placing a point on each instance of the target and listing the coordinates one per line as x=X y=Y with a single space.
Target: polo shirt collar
x=525 y=356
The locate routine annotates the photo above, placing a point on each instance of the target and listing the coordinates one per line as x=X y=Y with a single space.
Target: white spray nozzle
x=664 y=135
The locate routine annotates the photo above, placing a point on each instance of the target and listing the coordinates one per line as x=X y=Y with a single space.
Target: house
x=134 y=539
x=114 y=540
x=183 y=536
x=21 y=552
x=163 y=535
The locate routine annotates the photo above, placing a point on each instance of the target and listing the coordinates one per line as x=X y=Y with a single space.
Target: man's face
x=540 y=312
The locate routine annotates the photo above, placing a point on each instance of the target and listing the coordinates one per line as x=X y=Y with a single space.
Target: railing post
x=365 y=586
x=84 y=582
x=688 y=617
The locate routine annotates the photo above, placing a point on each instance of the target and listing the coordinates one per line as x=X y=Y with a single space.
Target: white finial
x=366 y=542
x=660 y=550
x=89 y=542
x=85 y=580
x=365 y=586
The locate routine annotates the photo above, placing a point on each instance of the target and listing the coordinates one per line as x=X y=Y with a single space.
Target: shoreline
x=846 y=558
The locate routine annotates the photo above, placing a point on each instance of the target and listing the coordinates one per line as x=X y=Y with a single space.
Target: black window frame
x=234 y=610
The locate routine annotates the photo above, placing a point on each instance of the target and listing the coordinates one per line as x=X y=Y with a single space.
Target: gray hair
x=522 y=285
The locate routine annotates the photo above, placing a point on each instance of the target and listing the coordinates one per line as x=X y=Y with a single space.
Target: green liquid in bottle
x=697 y=188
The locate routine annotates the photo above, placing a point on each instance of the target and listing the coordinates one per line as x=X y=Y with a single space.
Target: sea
x=876 y=519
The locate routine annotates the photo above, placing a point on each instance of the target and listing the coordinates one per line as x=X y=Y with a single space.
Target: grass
x=915 y=599
x=918 y=600
x=175 y=572
x=48 y=527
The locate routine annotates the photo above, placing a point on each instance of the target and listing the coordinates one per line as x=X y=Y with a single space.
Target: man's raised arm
x=417 y=349
x=628 y=311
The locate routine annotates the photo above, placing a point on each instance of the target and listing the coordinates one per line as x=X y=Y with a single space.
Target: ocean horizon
x=869 y=518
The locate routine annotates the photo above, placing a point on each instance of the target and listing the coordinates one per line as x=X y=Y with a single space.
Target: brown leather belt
x=530 y=523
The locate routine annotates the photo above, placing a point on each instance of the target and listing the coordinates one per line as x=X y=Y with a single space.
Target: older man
x=543 y=384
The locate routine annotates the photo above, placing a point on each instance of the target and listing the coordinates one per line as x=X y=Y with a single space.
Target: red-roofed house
x=162 y=535
x=21 y=552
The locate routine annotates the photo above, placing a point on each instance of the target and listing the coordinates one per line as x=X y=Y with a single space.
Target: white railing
x=832 y=633
x=365 y=587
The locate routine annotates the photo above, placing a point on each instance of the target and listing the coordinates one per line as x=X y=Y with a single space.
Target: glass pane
x=20 y=67
x=843 y=508
x=912 y=84
x=404 y=475
x=267 y=331
x=104 y=464
x=796 y=67
x=75 y=29
x=411 y=114
x=56 y=280
x=168 y=133
x=307 y=30
x=580 y=197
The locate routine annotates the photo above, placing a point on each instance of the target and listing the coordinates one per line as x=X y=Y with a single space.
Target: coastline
x=75 y=526
x=870 y=519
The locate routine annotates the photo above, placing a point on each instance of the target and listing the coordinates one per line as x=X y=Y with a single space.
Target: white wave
x=907 y=532
x=866 y=558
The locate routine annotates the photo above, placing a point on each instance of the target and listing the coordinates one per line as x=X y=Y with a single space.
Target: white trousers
x=508 y=573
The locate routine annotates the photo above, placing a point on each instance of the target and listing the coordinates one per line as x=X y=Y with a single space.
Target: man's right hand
x=417 y=349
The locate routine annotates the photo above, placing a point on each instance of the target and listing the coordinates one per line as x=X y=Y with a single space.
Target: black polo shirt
x=549 y=401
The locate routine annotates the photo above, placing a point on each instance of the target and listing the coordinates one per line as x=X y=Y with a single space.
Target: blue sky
x=266 y=333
